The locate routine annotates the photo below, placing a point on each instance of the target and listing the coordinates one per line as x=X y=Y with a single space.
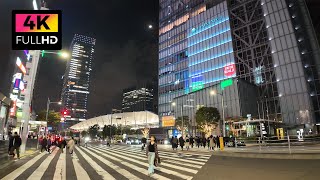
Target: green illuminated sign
x=226 y=83
x=196 y=86
x=42 y=53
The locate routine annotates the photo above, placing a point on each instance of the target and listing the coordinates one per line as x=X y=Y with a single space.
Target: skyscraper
x=138 y=98
x=75 y=90
x=267 y=48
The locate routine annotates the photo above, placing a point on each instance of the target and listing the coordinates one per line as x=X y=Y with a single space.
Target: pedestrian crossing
x=102 y=162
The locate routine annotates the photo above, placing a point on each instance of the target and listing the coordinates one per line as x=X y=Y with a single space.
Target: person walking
x=144 y=142
x=191 y=141
x=71 y=144
x=16 y=145
x=208 y=142
x=204 y=142
x=44 y=144
x=152 y=154
x=212 y=143
x=181 y=142
x=218 y=142
x=49 y=143
x=62 y=144
x=198 y=141
x=187 y=142
x=10 y=143
x=175 y=143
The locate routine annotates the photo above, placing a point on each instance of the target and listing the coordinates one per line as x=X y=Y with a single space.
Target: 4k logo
x=36 y=30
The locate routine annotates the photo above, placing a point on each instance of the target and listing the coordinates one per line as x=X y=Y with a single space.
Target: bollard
x=260 y=144
x=289 y=143
x=221 y=143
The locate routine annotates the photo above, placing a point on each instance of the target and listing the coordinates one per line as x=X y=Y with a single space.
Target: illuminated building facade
x=270 y=45
x=138 y=98
x=75 y=90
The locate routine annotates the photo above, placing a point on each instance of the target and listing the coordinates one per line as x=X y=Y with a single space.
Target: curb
x=268 y=156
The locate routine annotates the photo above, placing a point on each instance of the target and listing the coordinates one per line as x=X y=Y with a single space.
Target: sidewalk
x=6 y=160
x=270 y=152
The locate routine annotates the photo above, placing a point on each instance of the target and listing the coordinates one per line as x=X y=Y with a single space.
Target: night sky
x=125 y=53
x=126 y=50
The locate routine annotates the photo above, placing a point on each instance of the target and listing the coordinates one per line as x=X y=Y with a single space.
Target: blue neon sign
x=207 y=25
x=210 y=47
x=212 y=57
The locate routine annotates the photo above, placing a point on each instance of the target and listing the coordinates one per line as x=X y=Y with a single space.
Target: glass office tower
x=270 y=45
x=75 y=90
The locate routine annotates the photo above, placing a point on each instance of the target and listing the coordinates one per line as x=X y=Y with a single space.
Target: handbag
x=156 y=161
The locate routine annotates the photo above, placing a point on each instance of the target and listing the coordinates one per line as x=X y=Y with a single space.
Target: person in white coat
x=71 y=144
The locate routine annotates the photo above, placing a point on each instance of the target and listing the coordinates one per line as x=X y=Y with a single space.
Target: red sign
x=13 y=108
x=229 y=70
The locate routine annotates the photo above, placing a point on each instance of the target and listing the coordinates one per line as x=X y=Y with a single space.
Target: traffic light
x=65 y=112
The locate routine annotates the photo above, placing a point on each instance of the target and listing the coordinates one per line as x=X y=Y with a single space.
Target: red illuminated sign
x=229 y=70
x=13 y=109
x=21 y=66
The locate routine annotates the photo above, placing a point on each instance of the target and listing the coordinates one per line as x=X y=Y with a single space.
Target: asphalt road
x=228 y=168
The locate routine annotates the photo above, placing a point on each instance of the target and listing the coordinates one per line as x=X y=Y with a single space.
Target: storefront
x=4 y=109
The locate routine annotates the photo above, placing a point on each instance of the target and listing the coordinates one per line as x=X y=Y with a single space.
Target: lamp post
x=182 y=119
x=29 y=91
x=213 y=93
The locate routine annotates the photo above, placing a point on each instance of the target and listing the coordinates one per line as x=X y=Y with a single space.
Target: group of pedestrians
x=61 y=143
x=14 y=145
x=182 y=142
x=210 y=142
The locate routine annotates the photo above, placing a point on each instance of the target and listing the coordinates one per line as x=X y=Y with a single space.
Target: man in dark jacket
x=181 y=142
x=144 y=142
x=16 y=145
x=44 y=144
x=191 y=141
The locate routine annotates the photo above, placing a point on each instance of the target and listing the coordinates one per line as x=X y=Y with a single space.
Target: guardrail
x=286 y=144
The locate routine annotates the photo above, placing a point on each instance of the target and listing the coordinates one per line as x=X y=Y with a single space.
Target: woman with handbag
x=152 y=154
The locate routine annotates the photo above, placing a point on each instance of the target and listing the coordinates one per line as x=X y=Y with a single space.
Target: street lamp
x=150 y=26
x=63 y=54
x=213 y=93
x=48 y=105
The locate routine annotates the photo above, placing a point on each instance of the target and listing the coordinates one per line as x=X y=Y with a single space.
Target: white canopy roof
x=133 y=119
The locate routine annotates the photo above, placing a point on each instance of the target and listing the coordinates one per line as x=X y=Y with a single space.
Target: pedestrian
x=10 y=143
x=181 y=142
x=16 y=145
x=152 y=154
x=62 y=144
x=143 y=141
x=187 y=142
x=198 y=141
x=191 y=141
x=204 y=142
x=218 y=142
x=71 y=144
x=49 y=143
x=174 y=142
x=211 y=143
x=208 y=142
x=44 y=144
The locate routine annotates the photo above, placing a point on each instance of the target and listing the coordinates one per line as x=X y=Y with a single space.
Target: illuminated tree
x=178 y=124
x=207 y=119
x=145 y=132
